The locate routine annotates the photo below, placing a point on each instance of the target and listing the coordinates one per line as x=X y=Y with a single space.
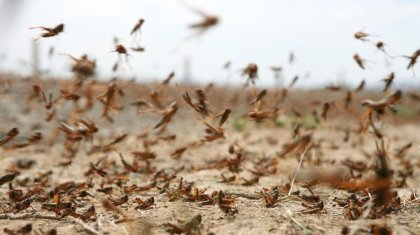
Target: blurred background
x=320 y=34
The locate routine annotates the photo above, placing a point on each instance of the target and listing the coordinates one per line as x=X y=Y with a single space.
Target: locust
x=7 y=178
x=83 y=66
x=387 y=102
x=277 y=71
x=137 y=27
x=108 y=99
x=167 y=115
x=168 y=78
x=359 y=61
x=388 y=81
x=412 y=60
x=251 y=71
x=360 y=35
x=209 y=21
x=293 y=82
x=9 y=136
x=360 y=87
x=49 y=32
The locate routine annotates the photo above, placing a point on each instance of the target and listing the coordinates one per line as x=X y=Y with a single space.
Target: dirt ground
x=202 y=163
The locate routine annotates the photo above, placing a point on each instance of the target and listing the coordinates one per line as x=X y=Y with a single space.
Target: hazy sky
x=320 y=33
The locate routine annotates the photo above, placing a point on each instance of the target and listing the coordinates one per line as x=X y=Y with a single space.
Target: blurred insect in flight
x=413 y=60
x=277 y=71
x=381 y=46
x=135 y=32
x=362 y=36
x=291 y=58
x=137 y=27
x=251 y=71
x=208 y=21
x=49 y=32
x=121 y=50
x=361 y=62
x=388 y=81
